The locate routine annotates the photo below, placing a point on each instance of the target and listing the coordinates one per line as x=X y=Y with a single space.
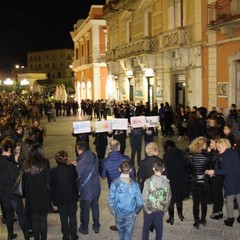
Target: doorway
x=180 y=90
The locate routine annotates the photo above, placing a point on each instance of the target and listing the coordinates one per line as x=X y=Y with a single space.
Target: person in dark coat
x=197 y=163
x=216 y=182
x=37 y=177
x=81 y=137
x=101 y=142
x=193 y=127
x=174 y=160
x=136 y=144
x=145 y=170
x=11 y=203
x=121 y=136
x=65 y=194
x=87 y=163
x=230 y=167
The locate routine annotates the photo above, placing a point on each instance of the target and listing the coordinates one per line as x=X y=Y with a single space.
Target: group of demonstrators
x=210 y=165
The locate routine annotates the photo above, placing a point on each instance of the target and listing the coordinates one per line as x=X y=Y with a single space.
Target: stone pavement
x=58 y=137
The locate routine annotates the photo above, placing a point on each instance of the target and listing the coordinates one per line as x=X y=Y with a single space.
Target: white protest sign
x=81 y=127
x=119 y=123
x=103 y=126
x=152 y=121
x=138 y=121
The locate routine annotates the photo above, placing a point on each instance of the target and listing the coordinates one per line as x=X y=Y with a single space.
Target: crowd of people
x=210 y=165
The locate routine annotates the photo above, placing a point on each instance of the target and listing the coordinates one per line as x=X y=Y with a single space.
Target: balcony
x=95 y=58
x=175 y=38
x=224 y=13
x=136 y=48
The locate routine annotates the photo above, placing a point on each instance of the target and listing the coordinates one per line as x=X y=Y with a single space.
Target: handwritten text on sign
x=152 y=121
x=81 y=127
x=138 y=121
x=119 y=123
x=103 y=126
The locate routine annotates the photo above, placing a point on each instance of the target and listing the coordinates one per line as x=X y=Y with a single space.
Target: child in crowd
x=65 y=194
x=125 y=201
x=156 y=196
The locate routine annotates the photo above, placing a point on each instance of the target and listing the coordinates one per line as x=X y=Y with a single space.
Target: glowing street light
x=24 y=82
x=8 y=82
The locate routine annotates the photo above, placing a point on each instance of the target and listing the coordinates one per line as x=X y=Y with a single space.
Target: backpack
x=158 y=198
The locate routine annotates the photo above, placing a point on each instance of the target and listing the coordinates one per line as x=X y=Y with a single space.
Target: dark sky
x=35 y=25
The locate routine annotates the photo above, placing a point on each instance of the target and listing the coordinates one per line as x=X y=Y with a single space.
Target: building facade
x=55 y=63
x=154 y=50
x=221 y=53
x=89 y=37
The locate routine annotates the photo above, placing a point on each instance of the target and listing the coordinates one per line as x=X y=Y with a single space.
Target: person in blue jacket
x=125 y=201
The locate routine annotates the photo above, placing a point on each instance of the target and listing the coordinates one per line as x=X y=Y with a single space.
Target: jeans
x=39 y=226
x=125 y=226
x=68 y=220
x=199 y=195
x=11 y=205
x=136 y=148
x=155 y=218
x=85 y=206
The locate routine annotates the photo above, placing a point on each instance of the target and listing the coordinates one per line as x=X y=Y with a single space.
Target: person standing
x=230 y=167
x=87 y=169
x=37 y=176
x=10 y=202
x=136 y=144
x=174 y=160
x=36 y=132
x=125 y=201
x=156 y=196
x=110 y=165
x=197 y=163
x=65 y=194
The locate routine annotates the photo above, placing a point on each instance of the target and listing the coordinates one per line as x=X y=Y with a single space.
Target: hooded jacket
x=156 y=194
x=124 y=197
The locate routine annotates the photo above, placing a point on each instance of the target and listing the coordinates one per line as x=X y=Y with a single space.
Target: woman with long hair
x=37 y=177
x=197 y=163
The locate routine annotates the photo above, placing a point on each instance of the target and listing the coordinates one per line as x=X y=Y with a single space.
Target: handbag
x=81 y=185
x=18 y=185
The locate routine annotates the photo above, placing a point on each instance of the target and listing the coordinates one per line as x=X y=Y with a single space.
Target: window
x=148 y=24
x=76 y=53
x=129 y=31
x=82 y=50
x=53 y=65
x=88 y=52
x=59 y=74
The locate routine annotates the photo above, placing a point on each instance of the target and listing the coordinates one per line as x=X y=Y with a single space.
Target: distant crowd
x=209 y=165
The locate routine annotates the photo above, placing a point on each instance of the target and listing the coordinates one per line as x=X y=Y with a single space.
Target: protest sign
x=103 y=126
x=152 y=121
x=138 y=121
x=119 y=123
x=81 y=127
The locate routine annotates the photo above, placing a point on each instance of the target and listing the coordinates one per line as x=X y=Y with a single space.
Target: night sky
x=35 y=25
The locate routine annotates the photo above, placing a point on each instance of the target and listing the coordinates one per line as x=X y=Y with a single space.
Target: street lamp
x=24 y=82
x=8 y=82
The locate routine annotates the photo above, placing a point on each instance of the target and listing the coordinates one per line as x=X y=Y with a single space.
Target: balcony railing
x=175 y=38
x=223 y=11
x=139 y=47
x=95 y=58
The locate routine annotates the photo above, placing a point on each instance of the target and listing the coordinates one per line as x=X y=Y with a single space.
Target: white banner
x=120 y=124
x=81 y=127
x=152 y=121
x=103 y=126
x=138 y=121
